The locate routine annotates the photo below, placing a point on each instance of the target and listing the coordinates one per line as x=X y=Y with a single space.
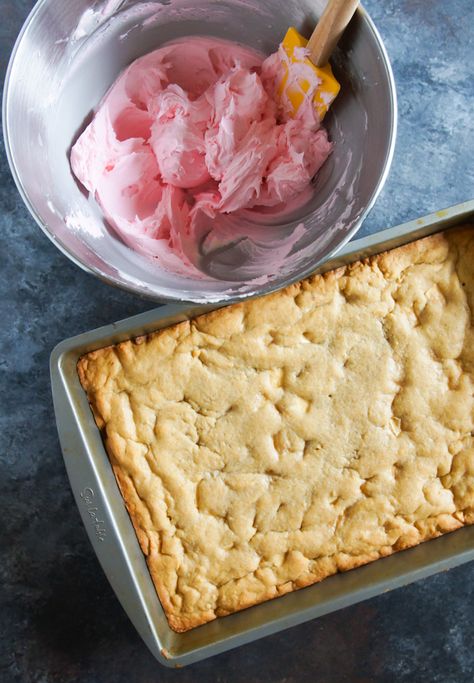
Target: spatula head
x=300 y=76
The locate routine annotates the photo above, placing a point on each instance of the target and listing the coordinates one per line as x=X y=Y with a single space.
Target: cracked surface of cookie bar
x=268 y=445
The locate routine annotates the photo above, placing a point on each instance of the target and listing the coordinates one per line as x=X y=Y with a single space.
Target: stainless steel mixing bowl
x=67 y=56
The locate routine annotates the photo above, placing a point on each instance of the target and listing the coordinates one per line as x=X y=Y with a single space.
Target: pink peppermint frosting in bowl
x=192 y=132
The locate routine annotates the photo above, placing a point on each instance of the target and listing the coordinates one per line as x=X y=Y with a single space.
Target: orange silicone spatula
x=314 y=54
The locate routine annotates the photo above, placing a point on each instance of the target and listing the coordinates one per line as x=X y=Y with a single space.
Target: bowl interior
x=68 y=56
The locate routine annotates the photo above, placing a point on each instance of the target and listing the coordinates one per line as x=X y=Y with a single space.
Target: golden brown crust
x=265 y=446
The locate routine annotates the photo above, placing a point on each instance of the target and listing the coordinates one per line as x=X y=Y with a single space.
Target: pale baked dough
x=266 y=446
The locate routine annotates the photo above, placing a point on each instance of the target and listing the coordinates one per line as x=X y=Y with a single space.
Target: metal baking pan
x=110 y=529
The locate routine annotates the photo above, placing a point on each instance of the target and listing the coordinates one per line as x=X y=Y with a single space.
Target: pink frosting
x=190 y=133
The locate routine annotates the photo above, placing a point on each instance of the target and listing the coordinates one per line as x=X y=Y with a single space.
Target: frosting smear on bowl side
x=190 y=134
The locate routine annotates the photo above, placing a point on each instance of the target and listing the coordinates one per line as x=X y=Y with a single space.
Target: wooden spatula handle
x=330 y=28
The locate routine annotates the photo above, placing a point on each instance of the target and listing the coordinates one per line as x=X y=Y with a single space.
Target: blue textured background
x=59 y=620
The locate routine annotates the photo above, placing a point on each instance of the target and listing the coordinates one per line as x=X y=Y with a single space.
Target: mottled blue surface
x=59 y=620
x=427 y=42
